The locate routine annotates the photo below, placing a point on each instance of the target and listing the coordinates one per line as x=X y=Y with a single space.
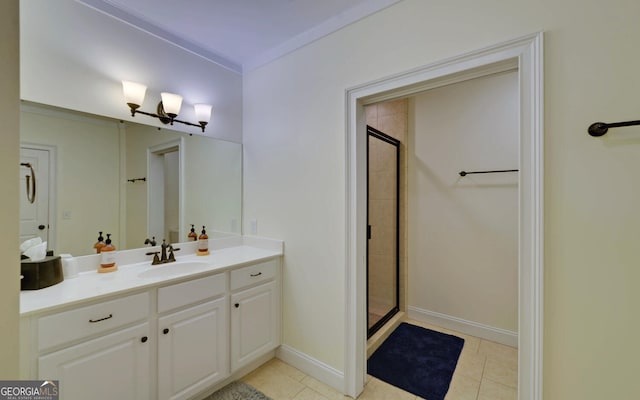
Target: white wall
x=463 y=231
x=75 y=57
x=294 y=137
x=9 y=215
x=294 y=187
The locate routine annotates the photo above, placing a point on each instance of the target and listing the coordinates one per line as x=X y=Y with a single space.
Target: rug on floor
x=238 y=391
x=418 y=360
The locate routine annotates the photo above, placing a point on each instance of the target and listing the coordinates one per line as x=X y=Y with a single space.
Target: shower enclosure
x=383 y=162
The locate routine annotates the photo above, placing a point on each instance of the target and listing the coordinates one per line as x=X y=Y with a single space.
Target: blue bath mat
x=418 y=360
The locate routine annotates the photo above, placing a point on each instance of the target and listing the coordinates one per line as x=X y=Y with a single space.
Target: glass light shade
x=133 y=92
x=203 y=112
x=171 y=103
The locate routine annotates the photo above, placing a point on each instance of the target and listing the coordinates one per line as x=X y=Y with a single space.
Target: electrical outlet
x=234 y=225
x=253 y=226
x=66 y=215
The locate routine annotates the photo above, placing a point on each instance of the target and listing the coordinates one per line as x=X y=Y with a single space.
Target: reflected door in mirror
x=164 y=191
x=34 y=217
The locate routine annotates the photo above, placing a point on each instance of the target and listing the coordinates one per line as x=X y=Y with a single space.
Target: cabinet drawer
x=252 y=274
x=181 y=294
x=75 y=324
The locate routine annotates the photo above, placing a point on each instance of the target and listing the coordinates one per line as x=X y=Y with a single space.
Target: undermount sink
x=174 y=268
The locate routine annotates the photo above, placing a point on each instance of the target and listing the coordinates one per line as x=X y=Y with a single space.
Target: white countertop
x=91 y=285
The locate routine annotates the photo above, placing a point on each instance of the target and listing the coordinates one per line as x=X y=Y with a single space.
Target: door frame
x=155 y=163
x=52 y=218
x=525 y=54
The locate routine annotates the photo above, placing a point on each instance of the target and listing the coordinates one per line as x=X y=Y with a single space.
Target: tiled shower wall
x=392 y=118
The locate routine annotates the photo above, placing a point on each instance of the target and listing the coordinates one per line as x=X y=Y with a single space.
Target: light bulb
x=171 y=103
x=133 y=93
x=203 y=112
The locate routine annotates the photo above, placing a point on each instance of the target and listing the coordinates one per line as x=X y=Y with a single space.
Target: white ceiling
x=239 y=34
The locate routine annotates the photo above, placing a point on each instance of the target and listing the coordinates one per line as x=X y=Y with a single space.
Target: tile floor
x=485 y=371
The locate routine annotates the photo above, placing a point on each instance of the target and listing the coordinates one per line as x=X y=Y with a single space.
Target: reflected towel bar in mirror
x=137 y=179
x=465 y=173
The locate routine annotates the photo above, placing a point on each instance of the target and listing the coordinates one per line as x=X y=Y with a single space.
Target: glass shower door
x=383 y=156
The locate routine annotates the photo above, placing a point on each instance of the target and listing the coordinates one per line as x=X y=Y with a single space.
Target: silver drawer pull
x=101 y=319
x=254 y=275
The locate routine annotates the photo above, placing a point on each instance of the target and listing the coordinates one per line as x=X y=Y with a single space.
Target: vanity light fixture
x=167 y=110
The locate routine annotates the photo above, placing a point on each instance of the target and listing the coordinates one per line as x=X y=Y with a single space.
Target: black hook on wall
x=600 y=128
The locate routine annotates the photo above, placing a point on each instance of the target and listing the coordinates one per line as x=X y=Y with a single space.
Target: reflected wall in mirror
x=187 y=180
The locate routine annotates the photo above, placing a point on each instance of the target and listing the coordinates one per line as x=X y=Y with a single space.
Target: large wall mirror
x=130 y=180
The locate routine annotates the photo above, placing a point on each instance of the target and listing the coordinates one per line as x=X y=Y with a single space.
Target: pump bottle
x=192 y=236
x=99 y=244
x=203 y=243
x=108 y=263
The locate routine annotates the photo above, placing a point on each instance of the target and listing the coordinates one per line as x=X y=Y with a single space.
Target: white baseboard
x=312 y=367
x=498 y=335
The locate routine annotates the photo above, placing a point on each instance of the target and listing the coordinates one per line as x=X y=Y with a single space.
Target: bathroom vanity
x=172 y=331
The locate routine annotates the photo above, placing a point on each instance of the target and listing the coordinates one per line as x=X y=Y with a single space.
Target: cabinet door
x=192 y=351
x=114 y=366
x=254 y=323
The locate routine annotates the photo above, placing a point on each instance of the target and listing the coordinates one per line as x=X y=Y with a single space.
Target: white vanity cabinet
x=255 y=312
x=192 y=342
x=175 y=339
x=115 y=364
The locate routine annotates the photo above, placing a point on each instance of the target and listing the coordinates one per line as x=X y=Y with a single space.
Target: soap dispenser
x=108 y=262
x=203 y=243
x=99 y=244
x=192 y=236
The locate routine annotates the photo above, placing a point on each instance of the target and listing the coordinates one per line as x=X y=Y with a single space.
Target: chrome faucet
x=164 y=257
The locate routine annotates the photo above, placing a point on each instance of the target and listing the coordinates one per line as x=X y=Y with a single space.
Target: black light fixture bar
x=166 y=118
x=600 y=128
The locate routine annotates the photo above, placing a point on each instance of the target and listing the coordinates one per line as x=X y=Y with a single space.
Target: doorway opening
x=525 y=55
x=163 y=197
x=460 y=273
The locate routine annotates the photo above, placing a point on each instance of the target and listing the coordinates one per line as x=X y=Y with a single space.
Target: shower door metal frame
x=372 y=132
